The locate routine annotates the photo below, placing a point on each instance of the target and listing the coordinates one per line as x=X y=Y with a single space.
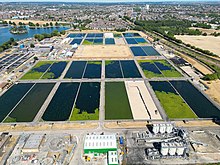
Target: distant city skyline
x=107 y=1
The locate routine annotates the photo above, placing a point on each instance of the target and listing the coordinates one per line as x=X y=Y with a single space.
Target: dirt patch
x=46 y=126
x=142 y=104
x=202 y=123
x=210 y=43
x=213 y=90
x=102 y=51
x=126 y=125
x=208 y=31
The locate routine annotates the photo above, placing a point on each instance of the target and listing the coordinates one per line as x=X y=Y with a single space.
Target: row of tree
x=8 y=44
x=40 y=37
x=202 y=25
x=215 y=34
x=31 y=24
x=170 y=28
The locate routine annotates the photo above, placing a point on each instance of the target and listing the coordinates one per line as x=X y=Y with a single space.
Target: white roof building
x=100 y=143
x=33 y=143
x=108 y=35
x=112 y=158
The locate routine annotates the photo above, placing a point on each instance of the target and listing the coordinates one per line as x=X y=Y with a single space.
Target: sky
x=102 y=0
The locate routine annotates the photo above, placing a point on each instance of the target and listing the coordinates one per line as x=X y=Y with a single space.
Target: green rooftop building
x=97 y=145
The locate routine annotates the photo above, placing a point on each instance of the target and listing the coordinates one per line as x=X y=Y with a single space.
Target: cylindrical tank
x=180 y=149
x=172 y=149
x=164 y=149
x=162 y=128
x=156 y=128
x=21 y=46
x=169 y=128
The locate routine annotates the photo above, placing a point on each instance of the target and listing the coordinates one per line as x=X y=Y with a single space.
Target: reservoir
x=5 y=34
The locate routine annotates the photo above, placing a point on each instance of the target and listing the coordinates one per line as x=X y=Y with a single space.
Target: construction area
x=141 y=102
x=44 y=149
x=103 y=51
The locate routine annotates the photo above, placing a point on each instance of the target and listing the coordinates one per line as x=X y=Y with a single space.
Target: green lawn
x=84 y=115
x=32 y=74
x=9 y=120
x=116 y=101
x=169 y=73
x=150 y=74
x=174 y=105
x=86 y=42
x=107 y=62
x=95 y=62
x=40 y=63
x=48 y=75
x=117 y=35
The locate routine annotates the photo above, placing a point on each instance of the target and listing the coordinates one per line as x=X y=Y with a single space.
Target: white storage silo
x=156 y=128
x=164 y=149
x=172 y=149
x=169 y=128
x=180 y=148
x=162 y=128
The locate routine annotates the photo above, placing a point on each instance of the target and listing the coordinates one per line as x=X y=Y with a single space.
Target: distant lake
x=5 y=34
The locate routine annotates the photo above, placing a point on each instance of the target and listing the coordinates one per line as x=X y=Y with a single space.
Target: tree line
x=9 y=44
x=40 y=37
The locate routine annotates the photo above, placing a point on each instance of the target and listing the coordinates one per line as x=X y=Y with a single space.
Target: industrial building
x=4 y=140
x=162 y=141
x=44 y=48
x=33 y=143
x=162 y=128
x=112 y=158
x=101 y=145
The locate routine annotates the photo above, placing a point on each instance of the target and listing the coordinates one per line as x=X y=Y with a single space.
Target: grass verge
x=76 y=115
x=174 y=105
x=9 y=120
x=86 y=42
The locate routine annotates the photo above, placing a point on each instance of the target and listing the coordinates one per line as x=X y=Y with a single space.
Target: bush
x=32 y=45
x=8 y=44
x=209 y=77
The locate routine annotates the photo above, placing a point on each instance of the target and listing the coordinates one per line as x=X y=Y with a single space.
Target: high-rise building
x=147 y=7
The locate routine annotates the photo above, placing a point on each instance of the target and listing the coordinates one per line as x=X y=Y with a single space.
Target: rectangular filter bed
x=38 y=70
x=76 y=41
x=55 y=70
x=29 y=106
x=87 y=102
x=11 y=97
x=131 y=41
x=60 y=107
x=93 y=69
x=171 y=101
x=116 y=101
x=196 y=100
x=158 y=68
x=76 y=35
x=76 y=70
x=144 y=51
x=121 y=69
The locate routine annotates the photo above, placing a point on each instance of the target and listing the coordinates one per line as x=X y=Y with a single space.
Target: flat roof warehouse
x=100 y=142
